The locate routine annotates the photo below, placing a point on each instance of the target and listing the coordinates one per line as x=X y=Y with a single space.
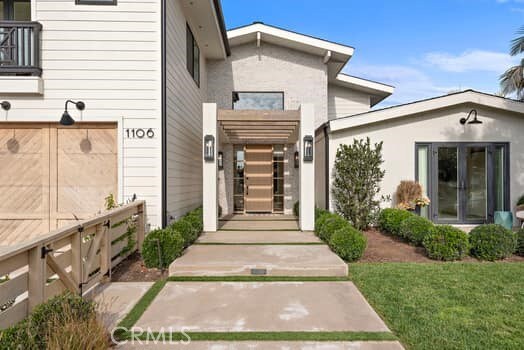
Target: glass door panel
x=447 y=183
x=499 y=175
x=475 y=178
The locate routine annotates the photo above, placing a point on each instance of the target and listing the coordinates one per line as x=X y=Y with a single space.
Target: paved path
x=236 y=237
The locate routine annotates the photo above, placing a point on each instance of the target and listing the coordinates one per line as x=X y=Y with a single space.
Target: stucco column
x=307 y=170
x=210 y=169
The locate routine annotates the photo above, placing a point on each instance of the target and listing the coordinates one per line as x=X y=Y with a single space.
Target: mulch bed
x=385 y=248
x=132 y=269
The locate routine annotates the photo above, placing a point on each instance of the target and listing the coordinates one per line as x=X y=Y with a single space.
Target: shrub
x=446 y=243
x=390 y=219
x=520 y=242
x=187 y=230
x=348 y=243
x=196 y=219
x=171 y=244
x=50 y=321
x=521 y=200
x=492 y=242
x=356 y=181
x=332 y=223
x=319 y=212
x=296 y=208
x=415 y=228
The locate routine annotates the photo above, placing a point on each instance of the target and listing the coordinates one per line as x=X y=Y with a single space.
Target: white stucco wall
x=302 y=77
x=343 y=102
x=400 y=136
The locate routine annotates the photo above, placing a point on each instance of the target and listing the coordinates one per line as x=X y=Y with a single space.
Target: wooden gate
x=259 y=178
x=51 y=175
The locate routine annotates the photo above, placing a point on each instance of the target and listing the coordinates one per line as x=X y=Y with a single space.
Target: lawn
x=448 y=305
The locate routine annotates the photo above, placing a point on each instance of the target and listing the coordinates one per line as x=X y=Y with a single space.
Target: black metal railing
x=20 y=48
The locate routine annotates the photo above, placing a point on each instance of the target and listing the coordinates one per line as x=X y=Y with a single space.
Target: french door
x=468 y=182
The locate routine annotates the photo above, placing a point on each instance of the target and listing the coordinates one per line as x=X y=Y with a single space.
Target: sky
x=424 y=48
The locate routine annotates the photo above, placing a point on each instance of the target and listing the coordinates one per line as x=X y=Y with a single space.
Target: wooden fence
x=75 y=258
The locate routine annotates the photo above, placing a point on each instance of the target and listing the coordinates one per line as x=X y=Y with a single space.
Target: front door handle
x=247 y=190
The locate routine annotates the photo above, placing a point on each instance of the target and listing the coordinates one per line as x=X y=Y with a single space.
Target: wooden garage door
x=51 y=175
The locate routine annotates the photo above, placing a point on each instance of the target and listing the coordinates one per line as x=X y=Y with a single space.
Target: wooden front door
x=258 y=178
x=52 y=175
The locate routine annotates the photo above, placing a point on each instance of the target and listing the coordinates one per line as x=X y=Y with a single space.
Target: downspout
x=326 y=167
x=164 y=116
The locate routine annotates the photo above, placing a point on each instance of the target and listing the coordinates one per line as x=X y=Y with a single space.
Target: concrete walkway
x=258 y=225
x=240 y=237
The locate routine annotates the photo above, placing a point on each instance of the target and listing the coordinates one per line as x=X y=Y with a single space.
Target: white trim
x=18 y=85
x=291 y=36
x=468 y=96
x=327 y=56
x=354 y=82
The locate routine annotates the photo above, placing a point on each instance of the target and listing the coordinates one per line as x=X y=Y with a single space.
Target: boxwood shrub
x=348 y=243
x=390 y=219
x=492 y=242
x=415 y=228
x=328 y=224
x=520 y=242
x=170 y=242
x=446 y=242
x=320 y=212
x=187 y=229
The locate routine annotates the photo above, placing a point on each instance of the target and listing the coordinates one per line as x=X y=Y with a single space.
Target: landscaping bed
x=133 y=269
x=447 y=305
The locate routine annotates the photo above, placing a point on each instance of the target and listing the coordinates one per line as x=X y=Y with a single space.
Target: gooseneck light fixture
x=66 y=119
x=475 y=120
x=5 y=105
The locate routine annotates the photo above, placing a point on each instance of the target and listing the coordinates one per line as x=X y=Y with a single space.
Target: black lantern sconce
x=308 y=148
x=66 y=119
x=297 y=160
x=220 y=160
x=475 y=120
x=5 y=105
x=209 y=148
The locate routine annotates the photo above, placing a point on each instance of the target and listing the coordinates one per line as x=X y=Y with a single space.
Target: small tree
x=356 y=182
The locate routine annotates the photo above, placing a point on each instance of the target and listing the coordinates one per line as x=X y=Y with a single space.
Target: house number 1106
x=140 y=133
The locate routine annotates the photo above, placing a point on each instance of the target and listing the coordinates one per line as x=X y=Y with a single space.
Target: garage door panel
x=21 y=141
x=82 y=141
x=17 y=231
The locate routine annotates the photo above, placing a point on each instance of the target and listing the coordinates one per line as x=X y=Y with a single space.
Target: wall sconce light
x=5 y=105
x=209 y=148
x=66 y=119
x=297 y=160
x=220 y=160
x=308 y=148
x=474 y=121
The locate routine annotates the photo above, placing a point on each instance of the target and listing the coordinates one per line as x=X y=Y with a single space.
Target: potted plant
x=410 y=196
x=520 y=204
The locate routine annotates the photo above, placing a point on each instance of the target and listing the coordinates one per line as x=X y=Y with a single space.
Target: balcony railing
x=20 y=48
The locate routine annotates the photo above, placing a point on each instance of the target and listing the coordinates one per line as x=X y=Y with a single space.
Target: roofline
x=222 y=26
x=378 y=90
x=425 y=105
x=321 y=43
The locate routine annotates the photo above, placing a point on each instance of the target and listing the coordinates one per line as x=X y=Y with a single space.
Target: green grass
x=448 y=305
x=256 y=279
x=141 y=306
x=266 y=336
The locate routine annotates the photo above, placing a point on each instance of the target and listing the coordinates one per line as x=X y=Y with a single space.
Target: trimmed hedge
x=520 y=242
x=187 y=229
x=492 y=242
x=390 y=219
x=171 y=245
x=415 y=228
x=446 y=243
x=320 y=212
x=31 y=333
x=348 y=243
x=328 y=224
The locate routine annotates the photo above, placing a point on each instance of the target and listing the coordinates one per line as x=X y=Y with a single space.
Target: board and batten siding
x=184 y=100
x=343 y=102
x=110 y=58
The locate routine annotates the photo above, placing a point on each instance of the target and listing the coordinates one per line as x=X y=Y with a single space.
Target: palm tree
x=512 y=81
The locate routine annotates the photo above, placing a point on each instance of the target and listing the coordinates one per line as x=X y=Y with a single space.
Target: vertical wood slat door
x=258 y=175
x=50 y=175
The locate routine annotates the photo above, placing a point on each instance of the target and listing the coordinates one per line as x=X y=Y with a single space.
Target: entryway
x=467 y=182
x=52 y=175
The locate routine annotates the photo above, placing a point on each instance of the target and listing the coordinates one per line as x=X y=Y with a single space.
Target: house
x=139 y=69
x=156 y=100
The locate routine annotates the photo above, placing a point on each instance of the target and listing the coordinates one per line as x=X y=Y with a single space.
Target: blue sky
x=423 y=48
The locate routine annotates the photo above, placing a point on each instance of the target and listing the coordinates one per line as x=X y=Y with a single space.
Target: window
x=95 y=2
x=258 y=100
x=192 y=56
x=15 y=10
x=238 y=178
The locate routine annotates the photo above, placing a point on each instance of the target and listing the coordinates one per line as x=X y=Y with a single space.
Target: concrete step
x=268 y=345
x=258 y=225
x=259 y=237
x=275 y=260
x=256 y=217
x=261 y=307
